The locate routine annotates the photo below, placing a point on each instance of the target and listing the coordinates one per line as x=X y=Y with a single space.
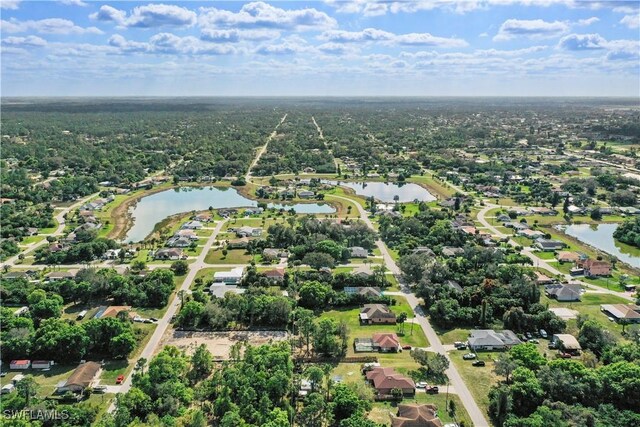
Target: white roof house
x=487 y=339
x=233 y=276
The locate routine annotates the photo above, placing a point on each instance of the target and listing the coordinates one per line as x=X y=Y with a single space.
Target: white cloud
x=375 y=35
x=235 y=36
x=535 y=28
x=631 y=21
x=29 y=41
x=168 y=43
x=588 y=21
x=382 y=7
x=74 y=2
x=334 y=48
x=289 y=46
x=582 y=42
x=148 y=16
x=9 y=4
x=46 y=26
x=262 y=15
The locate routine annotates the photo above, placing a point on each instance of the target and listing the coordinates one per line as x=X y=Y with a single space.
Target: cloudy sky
x=331 y=47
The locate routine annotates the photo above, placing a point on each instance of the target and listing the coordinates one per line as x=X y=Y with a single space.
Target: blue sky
x=332 y=47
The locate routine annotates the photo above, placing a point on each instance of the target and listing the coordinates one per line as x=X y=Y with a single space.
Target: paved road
x=262 y=149
x=542 y=263
x=58 y=232
x=474 y=411
x=173 y=307
x=321 y=136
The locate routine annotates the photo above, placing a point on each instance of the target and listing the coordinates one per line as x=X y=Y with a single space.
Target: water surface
x=600 y=236
x=152 y=209
x=386 y=191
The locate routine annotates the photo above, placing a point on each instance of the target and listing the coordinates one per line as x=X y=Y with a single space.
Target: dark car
x=153 y=319
x=406 y=347
x=432 y=390
x=478 y=363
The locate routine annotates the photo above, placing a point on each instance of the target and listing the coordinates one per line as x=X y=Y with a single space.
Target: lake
x=601 y=237
x=385 y=191
x=152 y=209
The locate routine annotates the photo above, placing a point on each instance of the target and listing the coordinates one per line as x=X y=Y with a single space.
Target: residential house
x=219 y=290
x=20 y=364
x=231 y=277
x=41 y=364
x=622 y=312
x=386 y=379
x=305 y=194
x=247 y=231
x=241 y=243
x=454 y=285
x=186 y=233
x=543 y=211
x=365 y=291
x=531 y=234
x=564 y=292
x=168 y=254
x=253 y=211
x=567 y=343
x=376 y=313
x=386 y=342
x=423 y=250
x=450 y=251
x=364 y=271
x=361 y=345
x=358 y=252
x=179 y=242
x=203 y=217
x=467 y=229
x=549 y=245
x=275 y=274
x=566 y=256
x=14 y=275
x=81 y=378
x=273 y=254
x=595 y=268
x=59 y=275
x=416 y=415
x=112 y=311
x=542 y=279
x=487 y=339
x=192 y=225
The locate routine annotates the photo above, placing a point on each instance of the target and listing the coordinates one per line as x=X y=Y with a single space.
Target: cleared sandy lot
x=219 y=343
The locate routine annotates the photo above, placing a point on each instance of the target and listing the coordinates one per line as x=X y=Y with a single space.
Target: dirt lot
x=219 y=343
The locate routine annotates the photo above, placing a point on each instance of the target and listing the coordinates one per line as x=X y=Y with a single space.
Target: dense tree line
x=537 y=392
x=629 y=232
x=428 y=227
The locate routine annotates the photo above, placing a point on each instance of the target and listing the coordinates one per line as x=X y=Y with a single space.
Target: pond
x=385 y=191
x=152 y=209
x=600 y=236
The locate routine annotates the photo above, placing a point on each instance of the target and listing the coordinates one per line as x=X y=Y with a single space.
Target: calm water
x=385 y=192
x=152 y=209
x=601 y=236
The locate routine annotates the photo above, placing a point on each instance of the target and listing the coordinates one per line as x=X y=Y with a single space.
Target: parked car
x=469 y=356
x=478 y=363
x=421 y=384
x=564 y=355
x=153 y=319
x=459 y=345
x=543 y=333
x=528 y=335
x=534 y=341
x=432 y=390
x=406 y=347
x=120 y=379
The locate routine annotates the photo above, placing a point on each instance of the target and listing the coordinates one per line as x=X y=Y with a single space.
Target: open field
x=219 y=343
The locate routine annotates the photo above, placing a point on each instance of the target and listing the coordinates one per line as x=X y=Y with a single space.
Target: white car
x=469 y=356
x=421 y=384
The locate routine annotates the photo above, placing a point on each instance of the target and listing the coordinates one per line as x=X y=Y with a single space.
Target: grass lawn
x=31 y=240
x=545 y=255
x=380 y=411
x=436 y=187
x=452 y=335
x=234 y=256
x=479 y=380
x=350 y=317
